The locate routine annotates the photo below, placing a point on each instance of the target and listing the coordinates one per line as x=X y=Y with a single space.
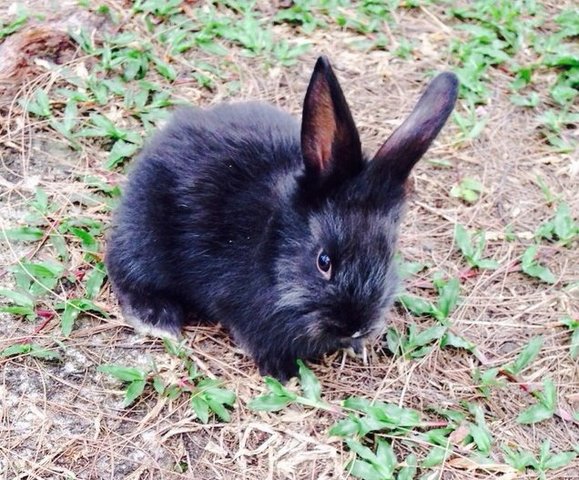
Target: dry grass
x=65 y=420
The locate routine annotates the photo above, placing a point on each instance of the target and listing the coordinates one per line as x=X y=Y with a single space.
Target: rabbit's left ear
x=329 y=138
x=410 y=141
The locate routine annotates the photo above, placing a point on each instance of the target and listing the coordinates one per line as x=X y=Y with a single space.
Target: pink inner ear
x=324 y=155
x=321 y=127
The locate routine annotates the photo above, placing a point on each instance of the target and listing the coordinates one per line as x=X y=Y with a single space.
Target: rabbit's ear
x=410 y=141
x=330 y=141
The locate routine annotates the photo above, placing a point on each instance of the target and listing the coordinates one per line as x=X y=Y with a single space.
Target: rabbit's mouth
x=370 y=331
x=360 y=333
x=363 y=333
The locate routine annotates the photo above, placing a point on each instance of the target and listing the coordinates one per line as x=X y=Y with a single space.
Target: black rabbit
x=285 y=236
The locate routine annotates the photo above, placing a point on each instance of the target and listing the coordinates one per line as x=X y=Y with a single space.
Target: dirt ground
x=65 y=419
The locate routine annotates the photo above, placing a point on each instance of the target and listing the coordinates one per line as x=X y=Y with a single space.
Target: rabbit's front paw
x=282 y=368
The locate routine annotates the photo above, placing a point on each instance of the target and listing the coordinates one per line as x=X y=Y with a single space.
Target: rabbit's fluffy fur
x=284 y=234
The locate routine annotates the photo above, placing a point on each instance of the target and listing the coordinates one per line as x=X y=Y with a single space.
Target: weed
x=473 y=248
x=549 y=197
x=158 y=8
x=38 y=283
x=367 y=426
x=448 y=294
x=365 y=417
x=413 y=343
x=206 y=396
x=22 y=303
x=544 y=408
x=12 y=26
x=135 y=378
x=31 y=350
x=408 y=269
x=68 y=122
x=405 y=49
x=523 y=76
x=24 y=234
x=526 y=356
x=531 y=266
x=436 y=456
x=470 y=124
x=561 y=228
x=478 y=431
x=468 y=189
x=72 y=308
x=530 y=101
x=280 y=397
x=301 y=13
x=521 y=459
x=380 y=465
x=39 y=104
x=554 y=123
x=488 y=380
x=495 y=33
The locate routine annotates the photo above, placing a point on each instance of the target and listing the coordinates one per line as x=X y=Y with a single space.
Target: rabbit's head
x=334 y=264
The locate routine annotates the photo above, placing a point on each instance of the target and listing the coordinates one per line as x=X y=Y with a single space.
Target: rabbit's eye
x=324 y=264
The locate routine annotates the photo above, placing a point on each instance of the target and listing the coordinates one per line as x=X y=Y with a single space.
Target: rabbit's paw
x=152 y=314
x=282 y=368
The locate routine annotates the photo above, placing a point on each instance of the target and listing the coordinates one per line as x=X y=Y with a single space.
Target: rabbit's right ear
x=410 y=141
x=330 y=143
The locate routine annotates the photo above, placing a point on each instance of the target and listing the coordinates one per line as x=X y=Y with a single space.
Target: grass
x=475 y=376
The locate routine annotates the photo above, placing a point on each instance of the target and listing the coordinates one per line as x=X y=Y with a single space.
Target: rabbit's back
x=199 y=199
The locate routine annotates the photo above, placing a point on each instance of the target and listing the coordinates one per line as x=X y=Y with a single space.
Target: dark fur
x=227 y=208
